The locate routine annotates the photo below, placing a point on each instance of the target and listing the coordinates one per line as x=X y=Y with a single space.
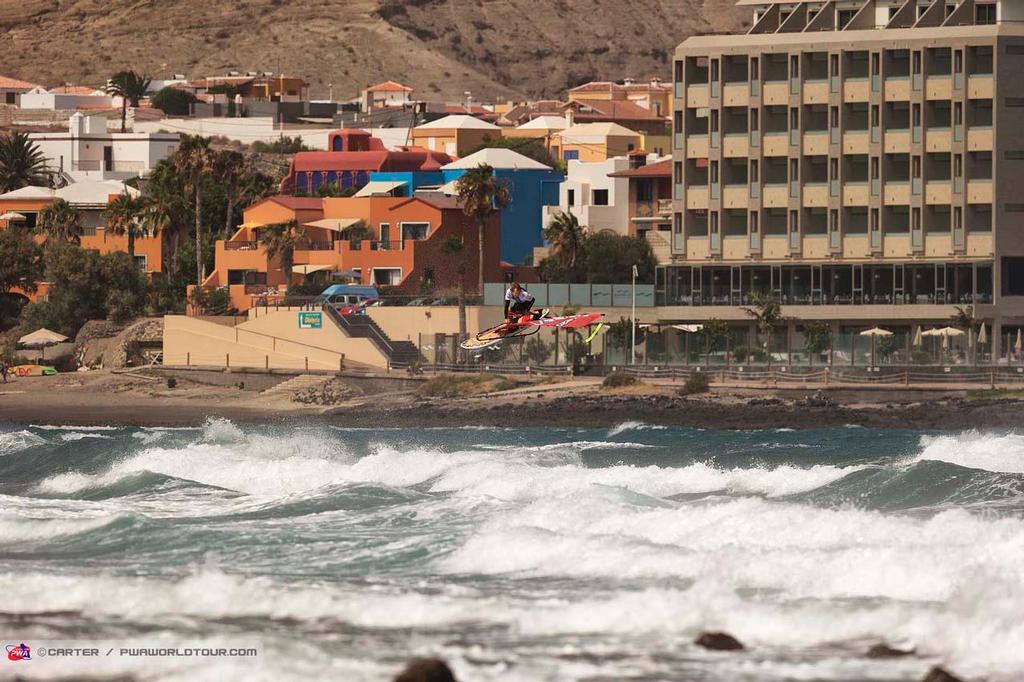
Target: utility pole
x=633 y=318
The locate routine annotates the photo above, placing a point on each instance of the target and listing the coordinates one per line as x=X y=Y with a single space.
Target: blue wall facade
x=522 y=221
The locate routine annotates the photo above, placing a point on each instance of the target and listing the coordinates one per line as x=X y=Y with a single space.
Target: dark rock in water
x=718 y=641
x=938 y=674
x=886 y=651
x=426 y=670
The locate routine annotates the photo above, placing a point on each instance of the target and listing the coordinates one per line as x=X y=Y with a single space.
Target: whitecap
x=975 y=450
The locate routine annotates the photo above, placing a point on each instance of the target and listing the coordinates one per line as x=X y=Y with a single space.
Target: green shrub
x=697 y=382
x=619 y=380
x=464 y=385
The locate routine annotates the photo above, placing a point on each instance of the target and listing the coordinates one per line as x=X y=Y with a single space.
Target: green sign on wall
x=311 y=320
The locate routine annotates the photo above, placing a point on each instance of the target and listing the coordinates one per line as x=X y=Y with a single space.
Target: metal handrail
x=375 y=335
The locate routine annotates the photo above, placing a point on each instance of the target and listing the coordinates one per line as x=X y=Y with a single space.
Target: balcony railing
x=316 y=246
x=241 y=246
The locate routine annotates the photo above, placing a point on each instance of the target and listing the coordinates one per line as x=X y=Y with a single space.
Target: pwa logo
x=19 y=652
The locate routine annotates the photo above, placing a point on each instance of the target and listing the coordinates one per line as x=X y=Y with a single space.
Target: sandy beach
x=103 y=398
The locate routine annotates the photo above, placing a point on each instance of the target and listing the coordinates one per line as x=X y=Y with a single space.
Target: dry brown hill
x=495 y=48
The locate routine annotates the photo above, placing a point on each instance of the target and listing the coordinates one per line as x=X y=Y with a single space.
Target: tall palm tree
x=60 y=221
x=482 y=196
x=280 y=241
x=566 y=237
x=193 y=161
x=22 y=163
x=767 y=314
x=166 y=206
x=130 y=87
x=229 y=170
x=123 y=217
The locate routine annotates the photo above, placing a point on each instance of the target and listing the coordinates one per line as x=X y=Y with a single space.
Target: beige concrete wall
x=273 y=339
x=408 y=322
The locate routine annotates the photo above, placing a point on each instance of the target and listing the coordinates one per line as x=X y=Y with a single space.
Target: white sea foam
x=78 y=435
x=998 y=453
x=58 y=427
x=16 y=441
x=633 y=426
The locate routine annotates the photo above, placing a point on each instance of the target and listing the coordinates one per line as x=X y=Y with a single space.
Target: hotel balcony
x=735 y=196
x=896 y=246
x=855 y=142
x=816 y=143
x=736 y=248
x=815 y=195
x=698 y=96
x=736 y=94
x=897 y=193
x=775 y=247
x=979 y=191
x=856 y=246
x=697 y=197
x=897 y=141
x=938 y=192
x=938 y=245
x=775 y=92
x=815 y=92
x=979 y=139
x=855 y=194
x=698 y=248
x=979 y=244
x=697 y=146
x=775 y=196
x=897 y=89
x=815 y=247
x=939 y=87
x=938 y=140
x=856 y=90
x=775 y=144
x=980 y=87
x=736 y=145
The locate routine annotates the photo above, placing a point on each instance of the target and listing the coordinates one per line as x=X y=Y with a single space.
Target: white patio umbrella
x=917 y=336
x=41 y=338
x=875 y=332
x=1018 y=345
x=13 y=217
x=982 y=335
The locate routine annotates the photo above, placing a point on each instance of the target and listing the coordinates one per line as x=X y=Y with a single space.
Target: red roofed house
x=353 y=155
x=11 y=89
x=643 y=107
x=385 y=95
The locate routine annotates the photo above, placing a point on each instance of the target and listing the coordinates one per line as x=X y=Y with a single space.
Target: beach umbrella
x=688 y=328
x=917 y=337
x=982 y=336
x=12 y=217
x=41 y=338
x=1017 y=346
x=874 y=332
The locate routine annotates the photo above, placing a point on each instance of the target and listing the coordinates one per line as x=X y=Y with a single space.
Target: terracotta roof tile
x=8 y=83
x=389 y=86
x=614 y=110
x=658 y=169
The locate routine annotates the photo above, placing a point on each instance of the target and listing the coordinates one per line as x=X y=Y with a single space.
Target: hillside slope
x=497 y=49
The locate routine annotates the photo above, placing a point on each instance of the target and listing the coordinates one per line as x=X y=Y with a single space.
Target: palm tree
x=130 y=87
x=482 y=195
x=192 y=161
x=454 y=246
x=123 y=217
x=280 y=241
x=165 y=210
x=566 y=237
x=767 y=313
x=229 y=170
x=61 y=221
x=21 y=163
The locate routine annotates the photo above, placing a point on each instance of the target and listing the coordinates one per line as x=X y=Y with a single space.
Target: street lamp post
x=633 y=318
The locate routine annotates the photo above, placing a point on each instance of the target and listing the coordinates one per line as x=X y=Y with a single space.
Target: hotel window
x=754 y=70
x=794 y=221
x=794 y=66
x=876 y=64
x=600 y=197
x=677 y=173
x=833 y=220
x=875 y=222
x=571 y=155
x=834 y=65
x=714 y=222
x=386 y=276
x=845 y=17
x=415 y=231
x=571 y=197
x=753 y=171
x=714 y=173
x=874 y=168
x=755 y=115
x=916 y=63
x=985 y=13
x=142 y=263
x=753 y=222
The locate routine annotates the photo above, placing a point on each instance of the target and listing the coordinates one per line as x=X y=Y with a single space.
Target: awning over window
x=309 y=269
x=334 y=224
x=376 y=188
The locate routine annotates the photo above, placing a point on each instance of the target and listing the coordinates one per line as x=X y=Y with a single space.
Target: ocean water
x=517 y=555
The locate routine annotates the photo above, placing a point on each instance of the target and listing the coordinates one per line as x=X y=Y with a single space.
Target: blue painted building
x=531 y=184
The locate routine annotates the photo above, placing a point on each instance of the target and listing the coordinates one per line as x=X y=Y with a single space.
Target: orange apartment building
x=406 y=250
x=90 y=198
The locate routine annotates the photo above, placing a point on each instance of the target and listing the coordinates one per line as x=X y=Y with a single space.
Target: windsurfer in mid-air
x=518 y=302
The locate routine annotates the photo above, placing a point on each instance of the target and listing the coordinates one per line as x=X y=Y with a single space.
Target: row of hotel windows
x=853 y=117
x=774 y=67
x=850 y=168
x=851 y=220
x=984 y=13
x=856 y=284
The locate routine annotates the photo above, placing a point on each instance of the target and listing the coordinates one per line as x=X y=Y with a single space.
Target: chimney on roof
x=637 y=160
x=570 y=117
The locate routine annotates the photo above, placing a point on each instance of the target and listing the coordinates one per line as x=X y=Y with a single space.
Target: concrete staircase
x=363 y=326
x=296 y=384
x=661 y=247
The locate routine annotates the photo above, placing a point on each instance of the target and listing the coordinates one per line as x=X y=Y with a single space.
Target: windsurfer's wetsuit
x=517 y=305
